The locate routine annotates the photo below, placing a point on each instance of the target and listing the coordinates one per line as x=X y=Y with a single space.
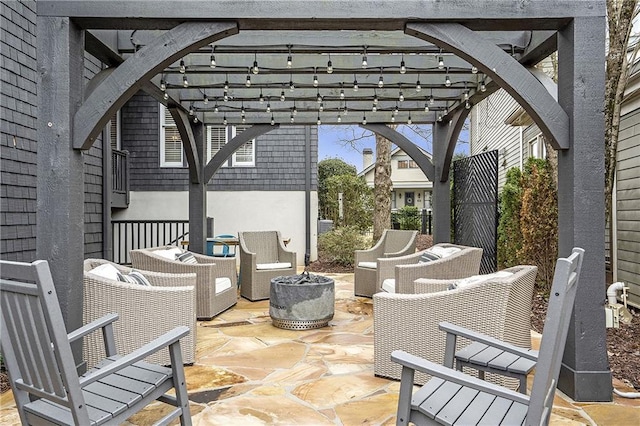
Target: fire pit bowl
x=301 y=302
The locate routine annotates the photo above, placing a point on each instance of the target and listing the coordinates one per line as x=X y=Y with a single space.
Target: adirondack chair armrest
x=92 y=326
x=167 y=339
x=415 y=363
x=452 y=329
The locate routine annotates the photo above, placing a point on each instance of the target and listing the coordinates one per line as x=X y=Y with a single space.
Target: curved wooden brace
x=183 y=125
x=230 y=147
x=453 y=133
x=118 y=87
x=406 y=145
x=506 y=71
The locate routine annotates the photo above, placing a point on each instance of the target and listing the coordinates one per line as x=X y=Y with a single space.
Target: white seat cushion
x=275 y=265
x=444 y=251
x=168 y=253
x=106 y=270
x=476 y=279
x=222 y=284
x=389 y=285
x=368 y=265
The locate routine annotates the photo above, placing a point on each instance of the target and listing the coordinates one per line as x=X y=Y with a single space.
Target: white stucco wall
x=283 y=211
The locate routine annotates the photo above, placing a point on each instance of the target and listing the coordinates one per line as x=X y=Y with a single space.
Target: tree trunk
x=382 y=188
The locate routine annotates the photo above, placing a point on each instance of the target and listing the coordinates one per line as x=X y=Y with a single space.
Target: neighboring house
x=262 y=186
x=410 y=185
x=499 y=123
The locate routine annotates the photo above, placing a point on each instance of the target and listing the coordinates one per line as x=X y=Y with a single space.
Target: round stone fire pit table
x=301 y=302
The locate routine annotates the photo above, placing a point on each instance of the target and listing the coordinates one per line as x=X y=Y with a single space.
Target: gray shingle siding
x=279 y=164
x=18 y=107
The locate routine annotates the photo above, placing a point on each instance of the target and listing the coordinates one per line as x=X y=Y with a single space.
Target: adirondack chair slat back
x=554 y=337
x=34 y=341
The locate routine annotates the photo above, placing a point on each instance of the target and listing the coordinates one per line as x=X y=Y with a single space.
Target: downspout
x=521 y=138
x=307 y=191
x=614 y=228
x=107 y=192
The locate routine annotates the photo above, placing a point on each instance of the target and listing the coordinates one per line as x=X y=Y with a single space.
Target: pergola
x=267 y=64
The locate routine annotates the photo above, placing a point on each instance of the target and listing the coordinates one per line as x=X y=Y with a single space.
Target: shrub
x=326 y=169
x=357 y=202
x=409 y=218
x=339 y=245
x=509 y=235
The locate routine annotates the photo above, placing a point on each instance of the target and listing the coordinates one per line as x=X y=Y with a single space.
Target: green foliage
x=539 y=220
x=509 y=235
x=357 y=201
x=326 y=169
x=408 y=217
x=339 y=245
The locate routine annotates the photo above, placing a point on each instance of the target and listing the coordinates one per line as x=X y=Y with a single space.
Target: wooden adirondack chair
x=454 y=397
x=44 y=380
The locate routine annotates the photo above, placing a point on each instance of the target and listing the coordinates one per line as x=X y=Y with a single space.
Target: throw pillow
x=187 y=257
x=444 y=251
x=134 y=277
x=428 y=256
x=476 y=279
x=168 y=253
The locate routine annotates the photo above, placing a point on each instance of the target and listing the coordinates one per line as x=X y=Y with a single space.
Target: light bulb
x=195 y=119
x=212 y=64
x=268 y=107
x=380 y=82
x=282 y=97
x=224 y=120
x=183 y=68
x=255 y=68
x=318 y=98
x=341 y=93
x=431 y=100
x=205 y=100
x=315 y=81
x=295 y=111
x=244 y=120
x=374 y=108
x=364 y=119
x=321 y=107
x=261 y=97
x=440 y=62
x=474 y=69
x=467 y=105
x=291 y=118
x=291 y=86
x=273 y=121
x=339 y=119
x=165 y=96
x=226 y=96
x=185 y=83
x=242 y=111
x=375 y=99
x=289 y=61
x=355 y=85
x=465 y=95
x=418 y=86
x=393 y=118
x=483 y=87
x=409 y=120
x=215 y=109
x=447 y=81
x=439 y=117
x=345 y=111
x=191 y=111
x=396 y=111
x=163 y=85
x=248 y=82
x=364 y=61
x=226 y=85
x=403 y=68
x=401 y=97
x=319 y=122
x=426 y=107
x=329 y=67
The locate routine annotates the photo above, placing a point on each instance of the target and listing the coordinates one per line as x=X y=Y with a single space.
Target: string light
x=224 y=119
x=185 y=83
x=261 y=99
x=318 y=98
x=364 y=119
x=315 y=78
x=291 y=86
x=165 y=96
x=440 y=62
x=242 y=111
x=321 y=107
x=295 y=110
x=409 y=119
x=341 y=93
x=215 y=109
x=467 y=104
x=163 y=85
x=292 y=118
x=418 y=85
x=329 y=65
x=244 y=120
x=212 y=62
x=273 y=121
x=248 y=81
x=346 y=110
x=226 y=96
x=255 y=68
x=195 y=119
x=226 y=85
x=431 y=98
x=447 y=80
x=396 y=111
x=403 y=68
x=205 y=100
x=393 y=118
x=282 y=97
x=374 y=108
x=375 y=97
x=426 y=106
x=364 y=58
x=268 y=106
x=355 y=83
x=319 y=122
x=183 y=68
x=191 y=110
x=401 y=95
x=289 y=59
x=483 y=87
x=381 y=79
x=339 y=118
x=474 y=70
x=439 y=117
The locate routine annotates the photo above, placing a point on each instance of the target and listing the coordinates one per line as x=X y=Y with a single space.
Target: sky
x=347 y=142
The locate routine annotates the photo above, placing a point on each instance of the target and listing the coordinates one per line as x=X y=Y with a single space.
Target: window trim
x=163 y=126
x=234 y=160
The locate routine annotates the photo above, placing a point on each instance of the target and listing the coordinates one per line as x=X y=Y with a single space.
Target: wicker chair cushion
x=477 y=279
x=368 y=265
x=428 y=256
x=168 y=253
x=222 y=284
x=106 y=270
x=275 y=265
x=389 y=285
x=444 y=251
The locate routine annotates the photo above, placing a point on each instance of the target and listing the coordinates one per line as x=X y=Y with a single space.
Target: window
x=170 y=143
x=407 y=164
x=114 y=131
x=216 y=139
x=245 y=155
x=218 y=136
x=537 y=149
x=393 y=200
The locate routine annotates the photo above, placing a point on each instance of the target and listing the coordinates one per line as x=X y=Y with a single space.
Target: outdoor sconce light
x=399 y=194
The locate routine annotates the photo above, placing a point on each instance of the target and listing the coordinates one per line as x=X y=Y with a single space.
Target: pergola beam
x=188 y=143
x=129 y=77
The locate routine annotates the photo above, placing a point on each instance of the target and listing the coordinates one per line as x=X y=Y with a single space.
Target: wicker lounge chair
x=404 y=270
x=263 y=256
x=210 y=273
x=393 y=243
x=498 y=307
x=145 y=312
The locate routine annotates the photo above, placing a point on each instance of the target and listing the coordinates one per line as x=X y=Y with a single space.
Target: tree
x=326 y=169
x=356 y=201
x=382 y=188
x=620 y=15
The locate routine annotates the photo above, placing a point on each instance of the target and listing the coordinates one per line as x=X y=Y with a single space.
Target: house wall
x=628 y=204
x=488 y=131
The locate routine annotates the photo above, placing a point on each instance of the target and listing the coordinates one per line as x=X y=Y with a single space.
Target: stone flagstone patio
x=249 y=372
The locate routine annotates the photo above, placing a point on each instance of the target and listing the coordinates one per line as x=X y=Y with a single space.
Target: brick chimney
x=367 y=157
